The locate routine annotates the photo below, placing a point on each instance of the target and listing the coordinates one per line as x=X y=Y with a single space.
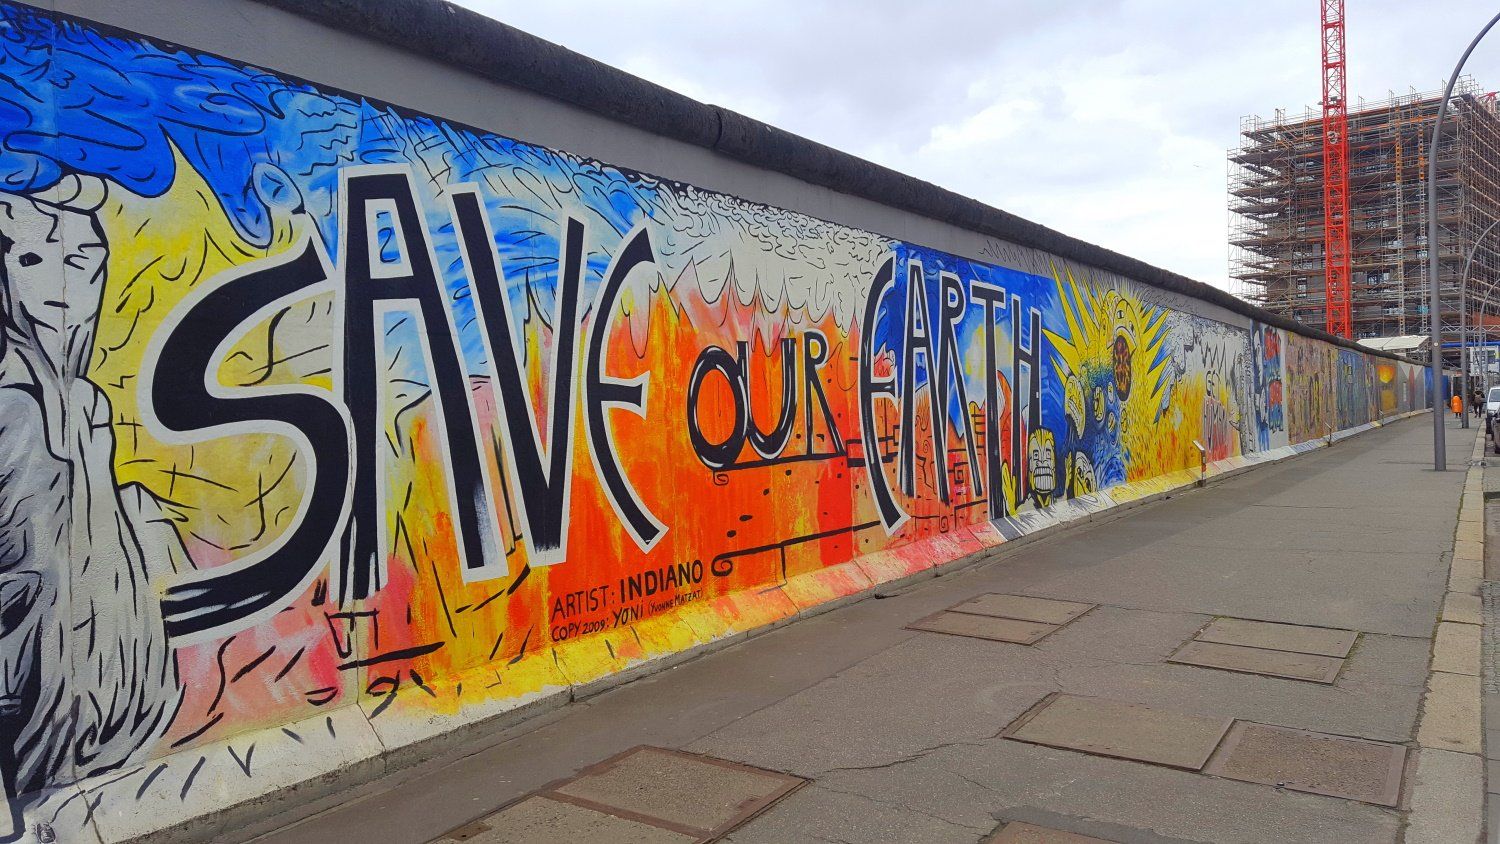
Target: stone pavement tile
x=1467 y=567
x=540 y=820
x=968 y=691
x=1311 y=667
x=1279 y=637
x=1492 y=816
x=1024 y=607
x=974 y=783
x=1469 y=531
x=964 y=691
x=817 y=814
x=1456 y=648
x=1395 y=592
x=679 y=788
x=1121 y=729
x=1468 y=549
x=1378 y=694
x=1016 y=832
x=1464 y=585
x=983 y=627
x=1450 y=713
x=1318 y=763
x=1371 y=521
x=1373 y=539
x=1464 y=609
x=1446 y=803
x=1492 y=776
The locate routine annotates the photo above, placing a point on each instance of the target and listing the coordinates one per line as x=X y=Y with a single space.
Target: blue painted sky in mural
x=123 y=109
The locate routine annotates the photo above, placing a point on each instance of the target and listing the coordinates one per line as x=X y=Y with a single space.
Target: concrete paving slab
x=1024 y=607
x=1469 y=531
x=1025 y=833
x=1317 y=763
x=818 y=815
x=1467 y=567
x=1464 y=585
x=542 y=820
x=1456 y=648
x=1279 y=637
x=1445 y=807
x=972 y=784
x=670 y=788
x=1121 y=729
x=1450 y=713
x=1295 y=666
x=983 y=627
x=1311 y=587
x=1461 y=608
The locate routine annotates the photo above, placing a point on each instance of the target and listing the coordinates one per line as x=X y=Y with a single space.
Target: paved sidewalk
x=900 y=731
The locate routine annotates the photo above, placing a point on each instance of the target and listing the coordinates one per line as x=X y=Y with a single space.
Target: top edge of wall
x=465 y=39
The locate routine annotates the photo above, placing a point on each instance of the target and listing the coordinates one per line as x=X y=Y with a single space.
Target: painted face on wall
x=1042 y=464
x=1073 y=404
x=58 y=502
x=44 y=343
x=1122 y=360
x=39 y=361
x=1082 y=479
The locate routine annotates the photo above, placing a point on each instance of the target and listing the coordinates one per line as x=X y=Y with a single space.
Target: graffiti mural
x=314 y=405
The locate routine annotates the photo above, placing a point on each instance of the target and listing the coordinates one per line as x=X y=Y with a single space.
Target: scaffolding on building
x=1276 y=199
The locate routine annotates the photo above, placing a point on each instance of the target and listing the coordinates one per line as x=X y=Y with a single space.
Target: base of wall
x=268 y=778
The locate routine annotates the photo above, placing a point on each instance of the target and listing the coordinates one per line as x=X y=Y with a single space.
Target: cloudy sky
x=1106 y=119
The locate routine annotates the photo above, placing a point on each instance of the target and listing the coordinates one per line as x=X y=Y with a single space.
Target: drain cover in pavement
x=678 y=790
x=1020 y=619
x=646 y=794
x=1318 y=669
x=541 y=820
x=1124 y=730
x=1323 y=641
x=1024 y=607
x=983 y=627
x=1016 y=832
x=1316 y=763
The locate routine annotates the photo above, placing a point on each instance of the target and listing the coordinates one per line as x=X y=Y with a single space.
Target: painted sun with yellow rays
x=1113 y=363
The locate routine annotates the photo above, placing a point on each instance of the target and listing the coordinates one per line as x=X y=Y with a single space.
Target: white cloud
x=1105 y=119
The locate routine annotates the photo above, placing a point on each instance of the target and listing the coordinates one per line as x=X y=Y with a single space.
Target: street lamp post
x=1463 y=313
x=1434 y=294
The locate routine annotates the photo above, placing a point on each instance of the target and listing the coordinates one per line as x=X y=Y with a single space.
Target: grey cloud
x=1132 y=102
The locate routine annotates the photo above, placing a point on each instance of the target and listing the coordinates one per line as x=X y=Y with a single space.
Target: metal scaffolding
x=1276 y=204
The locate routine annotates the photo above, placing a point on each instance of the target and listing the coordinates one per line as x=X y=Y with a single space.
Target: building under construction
x=1276 y=202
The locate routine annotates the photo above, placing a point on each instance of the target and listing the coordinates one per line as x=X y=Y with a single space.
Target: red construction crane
x=1336 y=261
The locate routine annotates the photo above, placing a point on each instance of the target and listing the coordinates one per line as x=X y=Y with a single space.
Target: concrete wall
x=332 y=427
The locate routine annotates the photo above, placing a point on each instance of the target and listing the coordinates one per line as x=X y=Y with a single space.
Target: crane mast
x=1336 y=259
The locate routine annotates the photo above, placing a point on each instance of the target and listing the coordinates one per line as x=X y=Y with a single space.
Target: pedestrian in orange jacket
x=1458 y=405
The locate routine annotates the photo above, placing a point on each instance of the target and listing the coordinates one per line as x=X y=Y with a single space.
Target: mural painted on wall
x=312 y=402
